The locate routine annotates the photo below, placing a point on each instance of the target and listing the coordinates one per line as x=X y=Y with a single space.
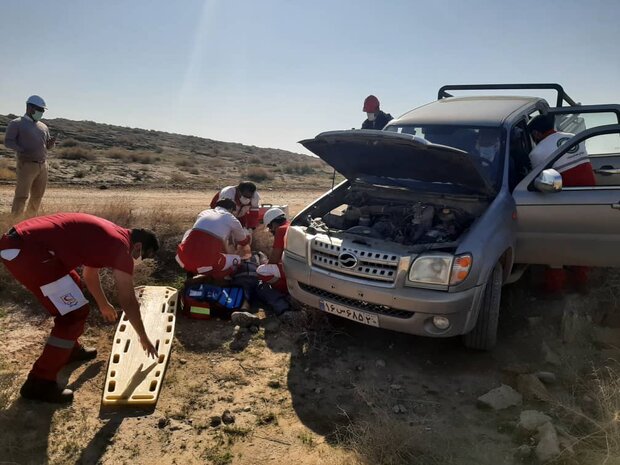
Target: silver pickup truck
x=427 y=227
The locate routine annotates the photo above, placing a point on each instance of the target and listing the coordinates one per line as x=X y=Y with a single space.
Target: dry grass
x=597 y=431
x=129 y=156
x=69 y=143
x=178 y=178
x=609 y=289
x=75 y=153
x=258 y=174
x=7 y=171
x=185 y=163
x=6 y=386
x=381 y=439
x=301 y=168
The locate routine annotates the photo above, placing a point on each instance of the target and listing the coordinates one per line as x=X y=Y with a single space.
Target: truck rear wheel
x=484 y=334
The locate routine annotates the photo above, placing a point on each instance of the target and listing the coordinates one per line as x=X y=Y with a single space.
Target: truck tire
x=484 y=334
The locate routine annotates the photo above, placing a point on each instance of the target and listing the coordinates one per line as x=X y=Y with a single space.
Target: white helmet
x=37 y=101
x=272 y=214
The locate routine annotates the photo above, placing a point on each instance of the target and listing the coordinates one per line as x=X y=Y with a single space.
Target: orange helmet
x=371 y=104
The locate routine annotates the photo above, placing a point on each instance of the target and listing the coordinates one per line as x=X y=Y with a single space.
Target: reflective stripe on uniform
x=9 y=254
x=60 y=343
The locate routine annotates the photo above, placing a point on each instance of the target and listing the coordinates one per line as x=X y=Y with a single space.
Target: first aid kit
x=205 y=301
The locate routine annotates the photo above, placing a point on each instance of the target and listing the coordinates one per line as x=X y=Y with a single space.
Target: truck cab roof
x=492 y=111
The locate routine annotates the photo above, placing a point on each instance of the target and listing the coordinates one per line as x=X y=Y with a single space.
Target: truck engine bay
x=400 y=221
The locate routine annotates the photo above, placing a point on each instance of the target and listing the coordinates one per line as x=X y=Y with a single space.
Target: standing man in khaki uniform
x=31 y=139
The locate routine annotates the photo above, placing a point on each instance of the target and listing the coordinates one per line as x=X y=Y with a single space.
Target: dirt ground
x=321 y=391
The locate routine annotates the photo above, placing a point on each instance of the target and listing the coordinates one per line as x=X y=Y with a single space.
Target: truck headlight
x=442 y=269
x=295 y=242
x=431 y=269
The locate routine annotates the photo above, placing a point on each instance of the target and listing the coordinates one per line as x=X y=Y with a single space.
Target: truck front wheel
x=484 y=334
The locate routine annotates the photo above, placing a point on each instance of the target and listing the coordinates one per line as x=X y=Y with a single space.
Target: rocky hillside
x=91 y=153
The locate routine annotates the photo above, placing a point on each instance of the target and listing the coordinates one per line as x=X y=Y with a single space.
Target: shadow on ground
x=26 y=425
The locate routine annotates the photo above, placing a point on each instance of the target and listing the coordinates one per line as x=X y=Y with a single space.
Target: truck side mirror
x=548 y=181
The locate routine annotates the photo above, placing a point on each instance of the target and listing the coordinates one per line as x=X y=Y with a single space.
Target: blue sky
x=272 y=72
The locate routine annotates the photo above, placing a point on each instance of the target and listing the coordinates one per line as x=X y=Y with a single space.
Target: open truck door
x=572 y=225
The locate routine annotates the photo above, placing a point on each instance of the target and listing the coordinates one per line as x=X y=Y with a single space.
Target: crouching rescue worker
x=247 y=202
x=273 y=272
x=204 y=250
x=42 y=254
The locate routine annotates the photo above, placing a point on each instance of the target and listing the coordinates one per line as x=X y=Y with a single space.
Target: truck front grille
x=361 y=262
x=357 y=304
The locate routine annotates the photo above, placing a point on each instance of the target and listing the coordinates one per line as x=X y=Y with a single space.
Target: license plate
x=349 y=313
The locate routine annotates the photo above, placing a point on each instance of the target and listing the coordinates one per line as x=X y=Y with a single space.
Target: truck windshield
x=484 y=144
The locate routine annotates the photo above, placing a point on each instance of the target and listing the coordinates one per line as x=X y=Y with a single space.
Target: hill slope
x=90 y=153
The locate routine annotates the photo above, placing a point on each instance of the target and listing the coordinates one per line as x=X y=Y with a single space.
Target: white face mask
x=37 y=115
x=245 y=200
x=371 y=116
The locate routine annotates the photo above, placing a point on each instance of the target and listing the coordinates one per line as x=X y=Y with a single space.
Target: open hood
x=383 y=154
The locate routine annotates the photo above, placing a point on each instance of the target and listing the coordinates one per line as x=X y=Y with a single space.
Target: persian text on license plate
x=351 y=314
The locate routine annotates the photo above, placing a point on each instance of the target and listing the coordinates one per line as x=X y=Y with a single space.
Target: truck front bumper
x=404 y=309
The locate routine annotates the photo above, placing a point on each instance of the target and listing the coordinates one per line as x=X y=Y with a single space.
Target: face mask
x=37 y=115
x=371 y=116
x=244 y=200
x=488 y=153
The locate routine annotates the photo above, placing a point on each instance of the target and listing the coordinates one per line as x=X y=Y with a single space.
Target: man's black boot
x=82 y=354
x=45 y=391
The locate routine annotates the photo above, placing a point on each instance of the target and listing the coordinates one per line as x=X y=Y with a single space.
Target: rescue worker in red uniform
x=247 y=202
x=42 y=253
x=204 y=248
x=375 y=118
x=273 y=272
x=576 y=170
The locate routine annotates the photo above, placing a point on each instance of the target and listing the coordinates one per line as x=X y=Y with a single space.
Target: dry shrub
x=300 y=168
x=262 y=240
x=143 y=157
x=185 y=163
x=178 y=178
x=216 y=163
x=69 y=143
x=7 y=171
x=119 y=211
x=608 y=288
x=117 y=154
x=146 y=158
x=75 y=153
x=598 y=433
x=258 y=174
x=379 y=439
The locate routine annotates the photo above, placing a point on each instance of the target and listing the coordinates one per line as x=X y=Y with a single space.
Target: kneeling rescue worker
x=273 y=273
x=203 y=249
x=42 y=253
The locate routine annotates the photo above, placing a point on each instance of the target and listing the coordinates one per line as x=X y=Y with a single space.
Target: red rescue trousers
x=33 y=266
x=204 y=253
x=555 y=278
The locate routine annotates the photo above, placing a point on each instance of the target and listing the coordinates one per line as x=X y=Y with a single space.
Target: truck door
x=574 y=225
